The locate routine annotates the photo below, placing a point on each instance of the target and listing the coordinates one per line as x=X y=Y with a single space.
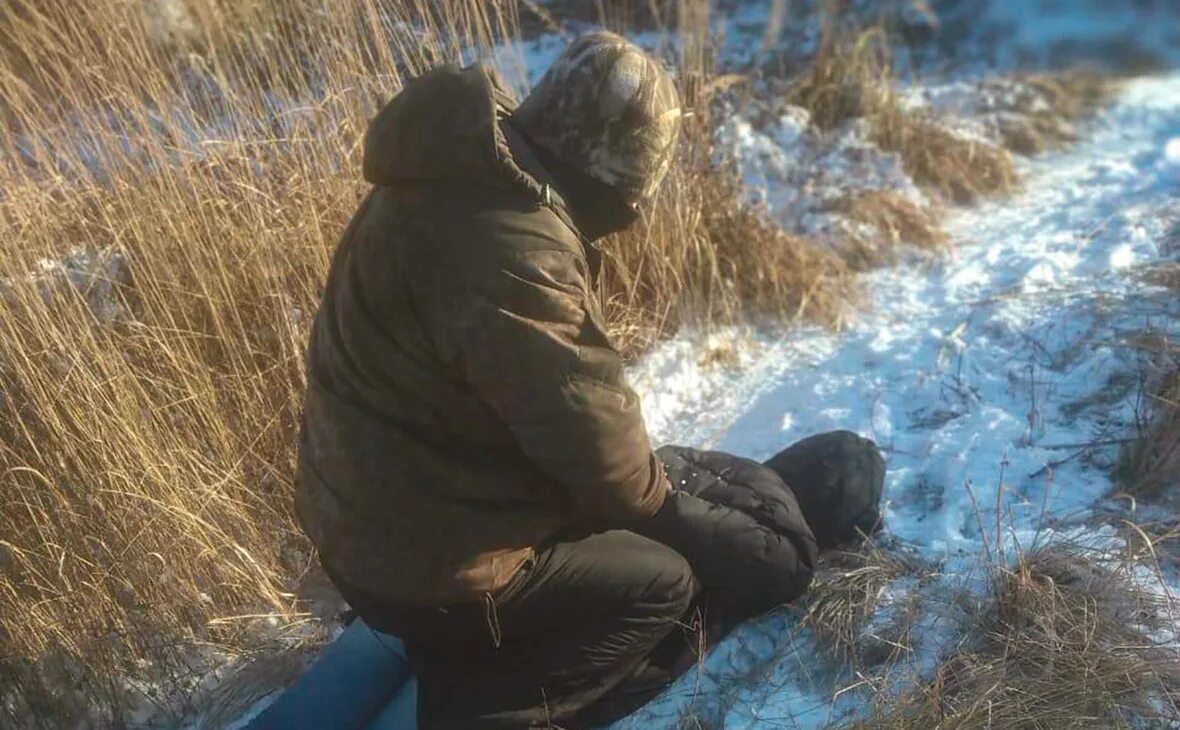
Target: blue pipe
x=361 y=681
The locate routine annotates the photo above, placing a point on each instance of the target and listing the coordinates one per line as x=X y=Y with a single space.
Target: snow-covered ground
x=984 y=377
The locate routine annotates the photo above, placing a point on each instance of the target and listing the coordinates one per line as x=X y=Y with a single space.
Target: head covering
x=838 y=478
x=608 y=109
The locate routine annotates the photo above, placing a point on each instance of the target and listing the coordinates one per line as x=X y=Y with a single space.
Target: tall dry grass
x=148 y=409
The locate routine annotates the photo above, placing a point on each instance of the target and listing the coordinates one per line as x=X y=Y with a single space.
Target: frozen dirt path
x=993 y=367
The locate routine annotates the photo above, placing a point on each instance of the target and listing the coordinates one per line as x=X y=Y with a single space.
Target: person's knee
x=673 y=588
x=684 y=589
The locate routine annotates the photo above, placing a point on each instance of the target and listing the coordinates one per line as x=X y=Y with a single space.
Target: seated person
x=474 y=469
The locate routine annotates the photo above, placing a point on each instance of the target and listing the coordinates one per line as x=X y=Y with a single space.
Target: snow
x=975 y=375
x=1170 y=165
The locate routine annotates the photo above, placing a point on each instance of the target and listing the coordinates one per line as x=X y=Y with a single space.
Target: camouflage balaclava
x=608 y=109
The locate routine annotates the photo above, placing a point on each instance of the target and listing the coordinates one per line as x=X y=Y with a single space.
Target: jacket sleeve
x=740 y=528
x=533 y=349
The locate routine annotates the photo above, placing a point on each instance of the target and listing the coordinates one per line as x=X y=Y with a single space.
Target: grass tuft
x=1036 y=113
x=895 y=220
x=1073 y=638
x=847 y=592
x=851 y=77
x=702 y=254
x=1149 y=466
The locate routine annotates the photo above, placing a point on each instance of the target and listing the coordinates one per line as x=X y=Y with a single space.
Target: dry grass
x=1038 y=112
x=618 y=15
x=895 y=221
x=702 y=255
x=1072 y=639
x=1149 y=466
x=145 y=458
x=1166 y=275
x=851 y=77
x=848 y=590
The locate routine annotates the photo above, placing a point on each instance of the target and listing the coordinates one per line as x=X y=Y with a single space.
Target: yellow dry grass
x=701 y=255
x=145 y=461
x=895 y=221
x=1039 y=113
x=847 y=591
x=1149 y=465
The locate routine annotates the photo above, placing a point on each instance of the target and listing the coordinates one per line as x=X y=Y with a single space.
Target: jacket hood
x=444 y=127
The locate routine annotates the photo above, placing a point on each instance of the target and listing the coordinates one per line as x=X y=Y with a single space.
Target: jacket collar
x=526 y=159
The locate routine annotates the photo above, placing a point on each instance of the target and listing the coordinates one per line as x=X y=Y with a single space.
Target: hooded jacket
x=464 y=404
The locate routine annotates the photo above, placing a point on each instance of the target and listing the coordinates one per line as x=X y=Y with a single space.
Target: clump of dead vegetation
x=851 y=78
x=1166 y=275
x=1148 y=470
x=1037 y=112
x=895 y=220
x=701 y=253
x=1149 y=466
x=849 y=590
x=148 y=410
x=1071 y=638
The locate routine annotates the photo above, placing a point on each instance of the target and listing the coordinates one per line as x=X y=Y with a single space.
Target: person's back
x=455 y=295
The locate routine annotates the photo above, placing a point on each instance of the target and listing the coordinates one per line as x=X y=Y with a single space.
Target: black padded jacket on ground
x=738 y=525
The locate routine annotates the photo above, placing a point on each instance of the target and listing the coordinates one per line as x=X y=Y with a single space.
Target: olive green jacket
x=464 y=404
